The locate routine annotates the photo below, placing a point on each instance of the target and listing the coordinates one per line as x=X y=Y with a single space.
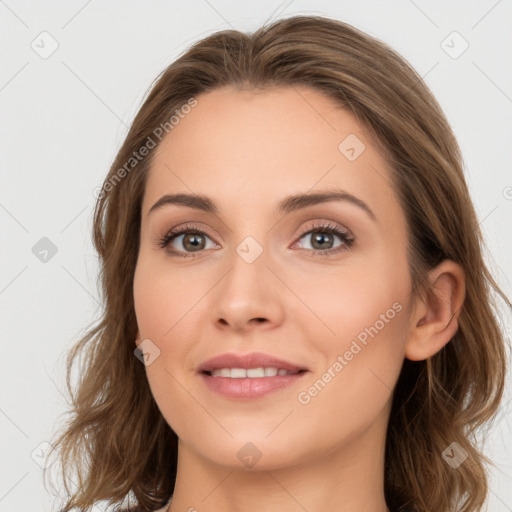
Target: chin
x=252 y=453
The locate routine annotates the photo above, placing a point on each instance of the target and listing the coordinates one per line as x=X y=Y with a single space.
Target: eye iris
x=321 y=238
x=190 y=241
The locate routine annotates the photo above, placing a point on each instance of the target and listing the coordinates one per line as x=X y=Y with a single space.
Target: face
x=318 y=286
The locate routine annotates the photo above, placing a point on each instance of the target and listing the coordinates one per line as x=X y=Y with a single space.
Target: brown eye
x=190 y=238
x=323 y=237
x=193 y=241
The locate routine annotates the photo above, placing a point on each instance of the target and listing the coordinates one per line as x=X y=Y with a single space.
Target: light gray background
x=64 y=117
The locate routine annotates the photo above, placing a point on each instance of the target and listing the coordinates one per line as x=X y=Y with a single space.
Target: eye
x=323 y=239
x=193 y=240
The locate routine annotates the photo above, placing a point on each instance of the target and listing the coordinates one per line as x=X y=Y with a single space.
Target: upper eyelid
x=190 y=226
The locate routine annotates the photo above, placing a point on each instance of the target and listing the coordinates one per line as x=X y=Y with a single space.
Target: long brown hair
x=117 y=443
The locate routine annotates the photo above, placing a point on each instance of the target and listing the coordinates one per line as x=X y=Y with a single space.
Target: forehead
x=252 y=147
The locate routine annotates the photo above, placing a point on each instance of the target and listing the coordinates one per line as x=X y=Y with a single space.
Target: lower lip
x=248 y=388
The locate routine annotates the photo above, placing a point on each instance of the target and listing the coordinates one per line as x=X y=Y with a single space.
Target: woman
x=240 y=365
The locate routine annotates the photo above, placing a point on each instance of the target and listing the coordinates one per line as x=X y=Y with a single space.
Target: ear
x=434 y=321
x=137 y=339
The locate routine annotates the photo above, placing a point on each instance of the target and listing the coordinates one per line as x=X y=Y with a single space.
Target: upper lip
x=252 y=360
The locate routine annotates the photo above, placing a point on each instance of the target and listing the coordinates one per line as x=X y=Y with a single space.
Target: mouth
x=249 y=376
x=250 y=373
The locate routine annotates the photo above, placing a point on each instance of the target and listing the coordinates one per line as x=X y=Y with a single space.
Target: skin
x=247 y=150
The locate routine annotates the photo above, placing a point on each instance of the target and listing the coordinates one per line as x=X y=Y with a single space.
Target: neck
x=349 y=478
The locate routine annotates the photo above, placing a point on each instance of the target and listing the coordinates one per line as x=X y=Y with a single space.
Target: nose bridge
x=246 y=292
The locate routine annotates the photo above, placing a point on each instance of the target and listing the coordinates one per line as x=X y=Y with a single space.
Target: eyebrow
x=287 y=205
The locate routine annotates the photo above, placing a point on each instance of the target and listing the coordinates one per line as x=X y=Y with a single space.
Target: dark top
x=139 y=509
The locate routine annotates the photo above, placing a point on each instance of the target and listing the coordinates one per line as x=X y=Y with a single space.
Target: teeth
x=251 y=373
x=255 y=372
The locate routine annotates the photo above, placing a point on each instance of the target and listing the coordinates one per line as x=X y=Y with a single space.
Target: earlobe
x=435 y=320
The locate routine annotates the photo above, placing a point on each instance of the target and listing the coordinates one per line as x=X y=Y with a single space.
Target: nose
x=249 y=296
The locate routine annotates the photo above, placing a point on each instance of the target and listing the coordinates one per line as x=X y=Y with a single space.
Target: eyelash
x=347 y=240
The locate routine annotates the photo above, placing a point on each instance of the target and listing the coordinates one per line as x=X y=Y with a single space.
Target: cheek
x=167 y=309
x=353 y=386
x=361 y=338
x=351 y=301
x=163 y=298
